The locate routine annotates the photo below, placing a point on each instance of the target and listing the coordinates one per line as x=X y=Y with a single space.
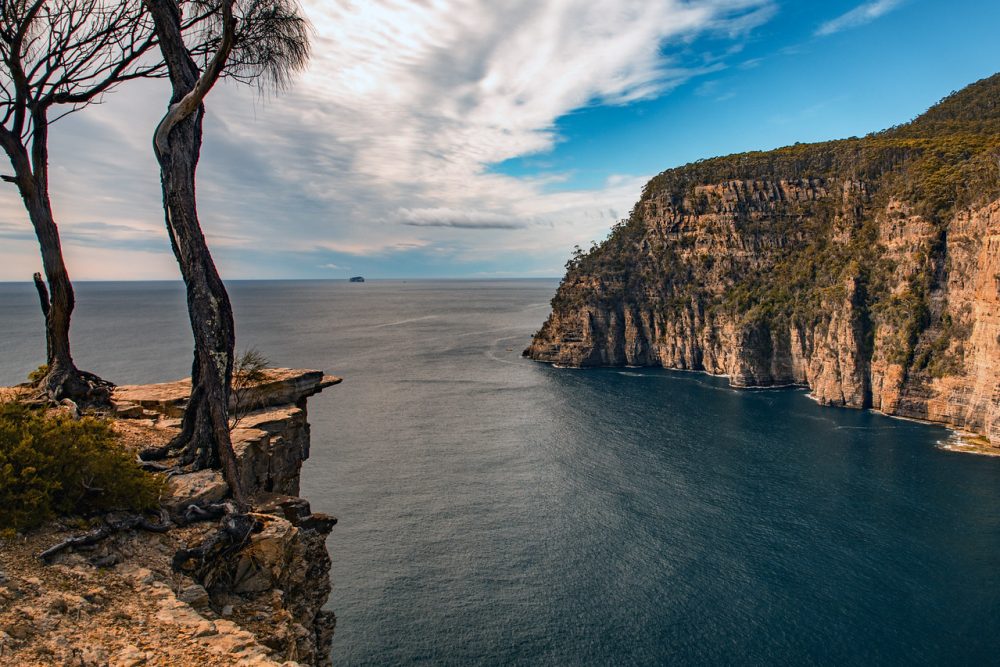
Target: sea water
x=498 y=511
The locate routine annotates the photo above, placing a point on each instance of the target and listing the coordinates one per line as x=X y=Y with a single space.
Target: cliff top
x=282 y=386
x=948 y=146
x=128 y=600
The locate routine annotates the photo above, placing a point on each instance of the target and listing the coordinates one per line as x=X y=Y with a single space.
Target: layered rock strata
x=867 y=270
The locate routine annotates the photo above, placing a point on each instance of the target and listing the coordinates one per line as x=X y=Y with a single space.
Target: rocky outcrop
x=282 y=386
x=185 y=596
x=867 y=270
x=284 y=568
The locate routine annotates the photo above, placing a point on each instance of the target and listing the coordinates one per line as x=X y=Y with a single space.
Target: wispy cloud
x=96 y=235
x=449 y=217
x=384 y=145
x=858 y=16
x=16 y=232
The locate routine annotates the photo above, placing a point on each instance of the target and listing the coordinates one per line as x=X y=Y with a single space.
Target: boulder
x=196 y=488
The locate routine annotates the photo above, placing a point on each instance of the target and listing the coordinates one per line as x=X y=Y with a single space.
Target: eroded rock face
x=671 y=303
x=865 y=268
x=277 y=584
x=270 y=445
x=287 y=564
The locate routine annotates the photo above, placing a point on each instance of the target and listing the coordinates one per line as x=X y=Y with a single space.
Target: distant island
x=357 y=279
x=866 y=269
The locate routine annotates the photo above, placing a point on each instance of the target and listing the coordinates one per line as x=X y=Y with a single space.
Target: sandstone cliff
x=182 y=596
x=866 y=269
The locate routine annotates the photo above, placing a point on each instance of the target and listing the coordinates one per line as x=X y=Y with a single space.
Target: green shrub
x=54 y=465
x=39 y=373
x=249 y=372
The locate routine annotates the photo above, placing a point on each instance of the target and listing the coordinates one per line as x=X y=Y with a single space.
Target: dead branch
x=43 y=293
x=209 y=512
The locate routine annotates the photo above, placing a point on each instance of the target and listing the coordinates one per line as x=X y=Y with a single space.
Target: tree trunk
x=63 y=379
x=204 y=436
x=204 y=440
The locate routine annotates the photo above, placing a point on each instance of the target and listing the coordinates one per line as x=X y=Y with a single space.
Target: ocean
x=497 y=511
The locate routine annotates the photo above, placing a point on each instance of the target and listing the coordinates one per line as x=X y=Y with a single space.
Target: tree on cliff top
x=276 y=45
x=60 y=56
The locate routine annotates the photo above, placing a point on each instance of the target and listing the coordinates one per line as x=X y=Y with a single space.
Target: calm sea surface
x=497 y=511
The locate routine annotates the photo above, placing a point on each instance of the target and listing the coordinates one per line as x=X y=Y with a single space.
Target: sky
x=484 y=139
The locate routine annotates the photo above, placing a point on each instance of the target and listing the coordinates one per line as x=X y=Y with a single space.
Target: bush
x=38 y=374
x=54 y=465
x=249 y=372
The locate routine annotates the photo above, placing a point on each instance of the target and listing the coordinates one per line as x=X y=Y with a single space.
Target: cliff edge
x=244 y=591
x=866 y=269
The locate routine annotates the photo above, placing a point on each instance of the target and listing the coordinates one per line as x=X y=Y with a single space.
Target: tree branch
x=193 y=99
x=43 y=294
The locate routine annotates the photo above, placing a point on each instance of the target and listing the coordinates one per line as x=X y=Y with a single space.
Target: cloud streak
x=449 y=217
x=859 y=16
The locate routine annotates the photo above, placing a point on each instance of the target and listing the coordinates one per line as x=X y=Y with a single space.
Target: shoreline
x=960 y=441
x=965 y=442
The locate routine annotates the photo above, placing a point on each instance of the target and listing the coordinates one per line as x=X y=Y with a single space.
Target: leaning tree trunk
x=204 y=440
x=62 y=379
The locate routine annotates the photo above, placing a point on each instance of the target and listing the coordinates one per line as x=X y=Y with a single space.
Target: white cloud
x=384 y=145
x=858 y=16
x=449 y=217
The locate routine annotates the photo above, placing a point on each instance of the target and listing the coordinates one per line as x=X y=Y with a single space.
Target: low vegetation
x=53 y=465
x=249 y=373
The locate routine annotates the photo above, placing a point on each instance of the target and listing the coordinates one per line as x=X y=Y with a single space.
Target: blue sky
x=787 y=84
x=482 y=139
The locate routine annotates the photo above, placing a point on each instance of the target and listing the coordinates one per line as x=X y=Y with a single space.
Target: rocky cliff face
x=867 y=270
x=281 y=577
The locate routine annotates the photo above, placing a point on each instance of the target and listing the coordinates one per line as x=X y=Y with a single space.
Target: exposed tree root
x=209 y=563
x=192 y=446
x=111 y=526
x=203 y=442
x=84 y=390
x=154 y=466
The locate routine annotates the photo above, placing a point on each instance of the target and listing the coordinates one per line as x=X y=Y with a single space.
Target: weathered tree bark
x=63 y=379
x=204 y=440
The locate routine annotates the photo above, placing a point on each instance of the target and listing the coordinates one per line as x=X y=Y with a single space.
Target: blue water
x=497 y=511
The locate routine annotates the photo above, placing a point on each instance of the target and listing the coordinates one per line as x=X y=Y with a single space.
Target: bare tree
x=59 y=56
x=267 y=42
